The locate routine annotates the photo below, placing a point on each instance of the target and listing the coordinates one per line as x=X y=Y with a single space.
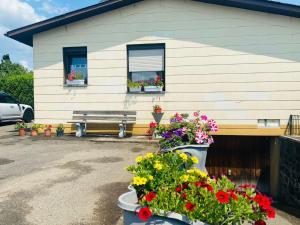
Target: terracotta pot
x=48 y=133
x=157 y=110
x=22 y=132
x=34 y=133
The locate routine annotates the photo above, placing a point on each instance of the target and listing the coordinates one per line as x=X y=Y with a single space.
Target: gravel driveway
x=67 y=181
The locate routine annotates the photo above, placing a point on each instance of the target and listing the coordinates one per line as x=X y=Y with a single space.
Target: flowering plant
x=169 y=183
x=48 y=127
x=20 y=125
x=185 y=131
x=75 y=76
x=157 y=109
x=154 y=82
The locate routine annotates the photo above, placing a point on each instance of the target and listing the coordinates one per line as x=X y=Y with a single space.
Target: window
x=266 y=123
x=7 y=99
x=75 y=66
x=146 y=68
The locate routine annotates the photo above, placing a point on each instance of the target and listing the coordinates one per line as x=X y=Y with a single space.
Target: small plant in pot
x=157 y=109
x=168 y=189
x=75 y=78
x=151 y=131
x=134 y=87
x=35 y=129
x=60 y=130
x=47 y=131
x=21 y=127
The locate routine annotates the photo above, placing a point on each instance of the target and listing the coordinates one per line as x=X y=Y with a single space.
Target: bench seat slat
x=105 y=118
x=133 y=113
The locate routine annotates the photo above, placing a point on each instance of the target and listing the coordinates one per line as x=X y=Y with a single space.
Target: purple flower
x=166 y=135
x=178 y=132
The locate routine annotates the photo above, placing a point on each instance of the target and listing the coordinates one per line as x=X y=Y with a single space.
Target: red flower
x=189 y=206
x=208 y=187
x=150 y=196
x=198 y=184
x=233 y=195
x=262 y=201
x=153 y=125
x=178 y=189
x=223 y=197
x=145 y=213
x=260 y=222
x=271 y=213
x=185 y=185
x=183 y=195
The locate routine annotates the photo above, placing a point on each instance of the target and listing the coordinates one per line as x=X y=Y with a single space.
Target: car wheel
x=28 y=116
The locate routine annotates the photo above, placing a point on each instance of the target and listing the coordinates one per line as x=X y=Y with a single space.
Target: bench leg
x=80 y=129
x=122 y=132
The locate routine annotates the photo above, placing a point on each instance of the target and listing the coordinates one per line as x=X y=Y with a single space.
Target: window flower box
x=75 y=82
x=153 y=88
x=135 y=89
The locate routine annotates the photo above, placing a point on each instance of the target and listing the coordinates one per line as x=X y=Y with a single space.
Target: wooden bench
x=82 y=118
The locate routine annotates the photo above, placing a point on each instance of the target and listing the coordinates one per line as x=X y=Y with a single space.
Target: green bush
x=19 y=86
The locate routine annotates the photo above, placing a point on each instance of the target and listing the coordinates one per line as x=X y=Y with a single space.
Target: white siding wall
x=235 y=65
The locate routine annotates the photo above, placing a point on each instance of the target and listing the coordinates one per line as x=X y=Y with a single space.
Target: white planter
x=128 y=202
x=200 y=151
x=135 y=90
x=153 y=88
x=75 y=82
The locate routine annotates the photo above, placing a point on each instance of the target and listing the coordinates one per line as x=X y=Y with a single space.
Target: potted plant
x=157 y=109
x=154 y=85
x=190 y=135
x=21 y=127
x=35 y=129
x=47 y=131
x=75 y=78
x=134 y=87
x=167 y=190
x=60 y=130
x=151 y=131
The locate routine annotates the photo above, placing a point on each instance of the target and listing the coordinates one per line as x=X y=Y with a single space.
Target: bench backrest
x=105 y=115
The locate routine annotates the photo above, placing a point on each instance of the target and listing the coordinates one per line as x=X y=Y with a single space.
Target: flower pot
x=135 y=90
x=60 y=133
x=128 y=202
x=34 y=133
x=153 y=88
x=22 y=132
x=75 y=82
x=47 y=133
x=200 y=151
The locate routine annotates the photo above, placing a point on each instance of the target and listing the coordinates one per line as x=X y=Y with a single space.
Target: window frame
x=69 y=52
x=151 y=46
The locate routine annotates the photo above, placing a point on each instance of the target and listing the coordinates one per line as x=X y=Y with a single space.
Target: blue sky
x=17 y=13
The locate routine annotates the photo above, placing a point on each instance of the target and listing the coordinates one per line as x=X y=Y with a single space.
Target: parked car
x=12 y=110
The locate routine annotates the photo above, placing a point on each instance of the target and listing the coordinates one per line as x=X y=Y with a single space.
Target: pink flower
x=199 y=137
x=204 y=117
x=196 y=114
x=214 y=128
x=210 y=141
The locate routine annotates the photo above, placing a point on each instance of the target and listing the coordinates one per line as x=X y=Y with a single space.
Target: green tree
x=9 y=68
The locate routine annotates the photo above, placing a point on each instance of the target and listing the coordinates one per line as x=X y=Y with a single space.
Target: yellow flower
x=158 y=166
x=150 y=177
x=149 y=155
x=183 y=156
x=139 y=159
x=193 y=178
x=185 y=178
x=139 y=181
x=191 y=171
x=194 y=159
x=203 y=174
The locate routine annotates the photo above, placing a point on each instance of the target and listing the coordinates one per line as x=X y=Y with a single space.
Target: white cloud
x=16 y=13
x=49 y=8
x=25 y=64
